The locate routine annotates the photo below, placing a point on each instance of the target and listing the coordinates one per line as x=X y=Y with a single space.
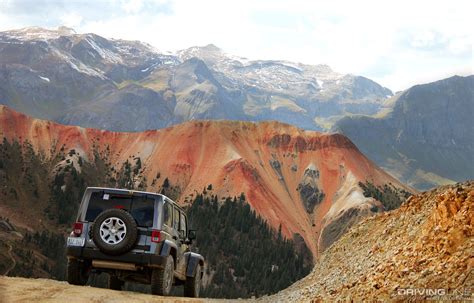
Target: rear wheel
x=77 y=272
x=192 y=286
x=115 y=283
x=162 y=279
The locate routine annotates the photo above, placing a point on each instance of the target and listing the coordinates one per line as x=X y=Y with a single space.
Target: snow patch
x=104 y=53
x=44 y=78
x=80 y=67
x=291 y=65
x=320 y=83
x=153 y=66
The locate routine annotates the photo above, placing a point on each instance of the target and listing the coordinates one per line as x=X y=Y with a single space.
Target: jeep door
x=182 y=246
x=180 y=262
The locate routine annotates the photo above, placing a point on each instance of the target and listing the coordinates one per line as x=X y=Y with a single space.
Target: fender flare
x=193 y=259
x=166 y=248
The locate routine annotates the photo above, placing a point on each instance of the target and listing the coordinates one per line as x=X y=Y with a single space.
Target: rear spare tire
x=114 y=231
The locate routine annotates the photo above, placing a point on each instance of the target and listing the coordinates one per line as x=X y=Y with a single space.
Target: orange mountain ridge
x=266 y=161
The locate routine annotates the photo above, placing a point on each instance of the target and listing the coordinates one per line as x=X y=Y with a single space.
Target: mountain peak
x=211 y=47
x=64 y=30
x=207 y=51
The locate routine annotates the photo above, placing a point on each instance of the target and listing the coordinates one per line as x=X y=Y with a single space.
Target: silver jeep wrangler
x=133 y=236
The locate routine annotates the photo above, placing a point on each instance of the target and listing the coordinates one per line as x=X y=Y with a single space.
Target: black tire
x=129 y=239
x=115 y=283
x=192 y=286
x=162 y=279
x=77 y=272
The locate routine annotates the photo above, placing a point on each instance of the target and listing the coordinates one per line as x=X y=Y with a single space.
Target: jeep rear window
x=141 y=207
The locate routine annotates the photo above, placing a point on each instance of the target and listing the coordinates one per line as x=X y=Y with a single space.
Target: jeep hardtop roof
x=131 y=192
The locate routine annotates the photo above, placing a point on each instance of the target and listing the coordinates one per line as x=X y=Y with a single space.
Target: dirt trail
x=10 y=248
x=14 y=290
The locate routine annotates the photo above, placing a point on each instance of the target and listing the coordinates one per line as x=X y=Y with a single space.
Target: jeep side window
x=168 y=214
x=182 y=227
x=176 y=219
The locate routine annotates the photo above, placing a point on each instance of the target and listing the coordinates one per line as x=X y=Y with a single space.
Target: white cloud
x=71 y=20
x=132 y=6
x=398 y=43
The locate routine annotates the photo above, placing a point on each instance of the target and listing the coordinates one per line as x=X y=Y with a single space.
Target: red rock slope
x=267 y=161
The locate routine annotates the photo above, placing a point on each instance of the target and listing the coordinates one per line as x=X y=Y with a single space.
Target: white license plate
x=72 y=241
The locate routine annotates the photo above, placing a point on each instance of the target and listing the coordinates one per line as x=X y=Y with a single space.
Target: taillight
x=77 y=229
x=155 y=236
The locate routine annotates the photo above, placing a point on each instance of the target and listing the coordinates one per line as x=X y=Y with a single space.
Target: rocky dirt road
x=16 y=290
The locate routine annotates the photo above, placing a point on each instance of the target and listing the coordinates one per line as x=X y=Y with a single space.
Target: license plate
x=72 y=241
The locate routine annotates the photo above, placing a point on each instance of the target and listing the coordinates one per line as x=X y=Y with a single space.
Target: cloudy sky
x=396 y=43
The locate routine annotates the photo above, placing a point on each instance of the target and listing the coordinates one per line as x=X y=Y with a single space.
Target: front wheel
x=162 y=279
x=192 y=286
x=77 y=272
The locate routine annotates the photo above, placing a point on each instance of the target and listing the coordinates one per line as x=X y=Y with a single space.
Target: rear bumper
x=140 y=259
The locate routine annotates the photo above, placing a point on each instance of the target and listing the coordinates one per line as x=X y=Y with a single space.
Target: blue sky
x=396 y=43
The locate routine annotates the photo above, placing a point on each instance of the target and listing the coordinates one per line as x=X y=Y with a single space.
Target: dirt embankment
x=422 y=251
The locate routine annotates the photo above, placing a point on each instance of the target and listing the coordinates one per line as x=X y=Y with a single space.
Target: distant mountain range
x=423 y=136
x=428 y=137
x=87 y=80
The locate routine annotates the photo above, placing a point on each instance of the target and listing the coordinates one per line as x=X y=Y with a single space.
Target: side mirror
x=191 y=234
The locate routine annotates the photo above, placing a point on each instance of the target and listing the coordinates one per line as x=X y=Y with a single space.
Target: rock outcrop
x=309 y=190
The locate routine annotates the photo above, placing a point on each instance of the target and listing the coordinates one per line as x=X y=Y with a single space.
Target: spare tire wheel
x=114 y=231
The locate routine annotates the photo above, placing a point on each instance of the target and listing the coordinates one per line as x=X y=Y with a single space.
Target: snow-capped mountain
x=314 y=91
x=91 y=81
x=279 y=77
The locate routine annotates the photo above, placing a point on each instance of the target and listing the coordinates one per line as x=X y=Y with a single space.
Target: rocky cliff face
x=304 y=181
x=422 y=251
x=427 y=138
x=87 y=80
x=309 y=190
